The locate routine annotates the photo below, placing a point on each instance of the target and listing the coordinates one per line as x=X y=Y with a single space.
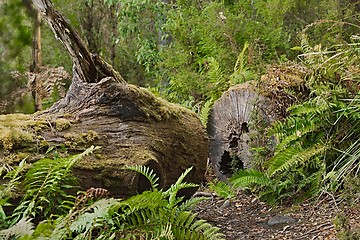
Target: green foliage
x=205 y=111
x=241 y=73
x=155 y=214
x=9 y=190
x=344 y=230
x=223 y=189
x=318 y=140
x=147 y=172
x=45 y=186
x=248 y=178
x=24 y=227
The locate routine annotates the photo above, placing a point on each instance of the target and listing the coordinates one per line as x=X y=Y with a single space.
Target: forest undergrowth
x=178 y=57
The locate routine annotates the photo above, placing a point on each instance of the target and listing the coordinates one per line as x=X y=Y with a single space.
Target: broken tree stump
x=239 y=121
x=130 y=124
x=231 y=127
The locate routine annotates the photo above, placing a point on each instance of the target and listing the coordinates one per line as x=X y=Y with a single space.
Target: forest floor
x=245 y=217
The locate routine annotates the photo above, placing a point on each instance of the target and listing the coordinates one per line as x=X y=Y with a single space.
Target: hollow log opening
x=230 y=163
x=144 y=183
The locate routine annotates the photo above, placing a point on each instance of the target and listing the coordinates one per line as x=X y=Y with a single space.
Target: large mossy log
x=130 y=124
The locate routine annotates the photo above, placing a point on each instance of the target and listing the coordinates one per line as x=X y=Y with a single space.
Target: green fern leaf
x=98 y=210
x=240 y=61
x=293 y=157
x=223 y=189
x=20 y=229
x=249 y=177
x=174 y=188
x=186 y=205
x=45 y=184
x=147 y=172
x=205 y=111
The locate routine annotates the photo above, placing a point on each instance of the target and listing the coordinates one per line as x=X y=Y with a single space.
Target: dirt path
x=247 y=218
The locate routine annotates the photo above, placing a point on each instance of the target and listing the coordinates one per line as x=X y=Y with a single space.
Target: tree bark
x=239 y=121
x=236 y=125
x=131 y=125
x=37 y=62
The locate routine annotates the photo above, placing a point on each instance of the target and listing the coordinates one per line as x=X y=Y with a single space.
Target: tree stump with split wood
x=239 y=121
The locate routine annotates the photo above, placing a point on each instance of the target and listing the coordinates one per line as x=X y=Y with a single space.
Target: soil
x=245 y=217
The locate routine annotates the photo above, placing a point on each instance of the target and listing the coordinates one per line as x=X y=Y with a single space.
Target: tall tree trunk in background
x=114 y=32
x=36 y=85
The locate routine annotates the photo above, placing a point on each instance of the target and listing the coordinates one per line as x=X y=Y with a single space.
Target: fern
x=205 y=111
x=186 y=226
x=215 y=73
x=240 y=62
x=45 y=185
x=154 y=214
x=90 y=215
x=241 y=73
x=249 y=177
x=293 y=157
x=178 y=185
x=223 y=189
x=22 y=228
x=147 y=172
x=216 y=81
x=8 y=190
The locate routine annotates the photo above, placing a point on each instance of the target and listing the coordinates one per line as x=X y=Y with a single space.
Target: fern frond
x=8 y=189
x=186 y=226
x=305 y=119
x=249 y=177
x=21 y=228
x=147 y=172
x=296 y=132
x=45 y=184
x=165 y=233
x=240 y=61
x=215 y=73
x=223 y=189
x=307 y=50
x=241 y=73
x=293 y=157
x=178 y=185
x=205 y=111
x=186 y=205
x=88 y=216
x=145 y=200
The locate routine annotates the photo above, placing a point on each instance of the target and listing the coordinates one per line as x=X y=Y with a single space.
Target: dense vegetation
x=190 y=52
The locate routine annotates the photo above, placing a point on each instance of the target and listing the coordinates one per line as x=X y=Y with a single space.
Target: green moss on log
x=62 y=124
x=19 y=129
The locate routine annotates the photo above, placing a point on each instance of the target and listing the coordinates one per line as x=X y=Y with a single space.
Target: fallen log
x=130 y=124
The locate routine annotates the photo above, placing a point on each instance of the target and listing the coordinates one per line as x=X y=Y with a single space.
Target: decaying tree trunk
x=233 y=127
x=239 y=120
x=130 y=124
